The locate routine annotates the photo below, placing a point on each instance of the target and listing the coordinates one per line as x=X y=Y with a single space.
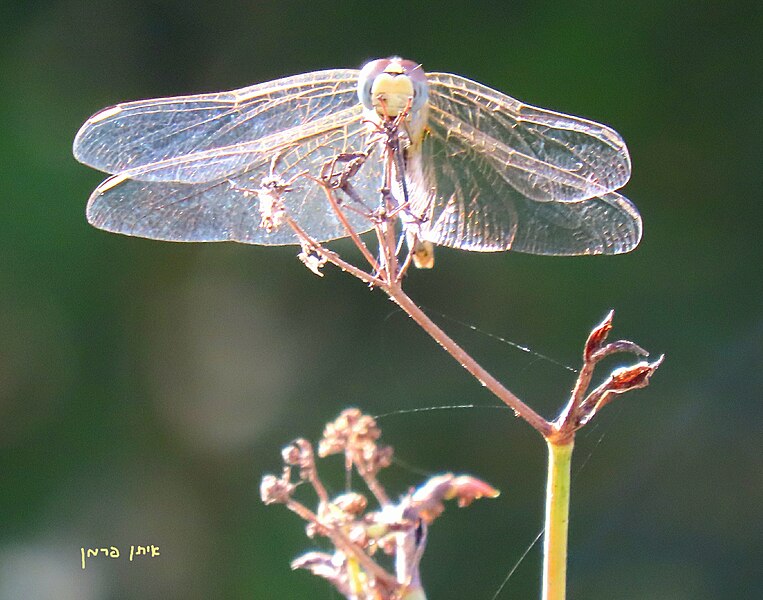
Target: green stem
x=557 y=520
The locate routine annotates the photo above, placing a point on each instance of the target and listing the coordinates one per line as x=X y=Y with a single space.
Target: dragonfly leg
x=337 y=178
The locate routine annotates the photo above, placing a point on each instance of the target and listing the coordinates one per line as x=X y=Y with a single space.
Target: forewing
x=544 y=155
x=468 y=202
x=206 y=137
x=228 y=208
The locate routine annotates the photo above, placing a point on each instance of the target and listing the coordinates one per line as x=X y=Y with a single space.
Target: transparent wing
x=206 y=137
x=543 y=155
x=469 y=202
x=228 y=207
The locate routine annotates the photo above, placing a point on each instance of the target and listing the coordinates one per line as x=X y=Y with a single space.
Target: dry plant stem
x=557 y=520
x=353 y=234
x=559 y=433
x=376 y=489
x=342 y=542
x=333 y=257
x=521 y=409
x=319 y=488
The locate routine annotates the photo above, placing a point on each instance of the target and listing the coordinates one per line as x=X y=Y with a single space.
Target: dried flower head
x=277 y=490
x=395 y=532
x=584 y=404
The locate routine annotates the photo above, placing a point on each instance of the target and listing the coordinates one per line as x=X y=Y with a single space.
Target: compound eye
x=418 y=78
x=420 y=91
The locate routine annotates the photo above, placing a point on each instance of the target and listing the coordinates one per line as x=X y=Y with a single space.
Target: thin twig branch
x=346 y=224
x=520 y=409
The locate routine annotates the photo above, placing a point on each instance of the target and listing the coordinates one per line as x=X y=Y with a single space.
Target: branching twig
x=387 y=272
x=359 y=537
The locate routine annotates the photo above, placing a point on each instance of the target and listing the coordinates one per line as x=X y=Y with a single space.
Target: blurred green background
x=145 y=387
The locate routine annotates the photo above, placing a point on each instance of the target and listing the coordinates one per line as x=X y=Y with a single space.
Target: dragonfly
x=466 y=166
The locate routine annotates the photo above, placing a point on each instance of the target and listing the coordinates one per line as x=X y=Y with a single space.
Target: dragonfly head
x=387 y=85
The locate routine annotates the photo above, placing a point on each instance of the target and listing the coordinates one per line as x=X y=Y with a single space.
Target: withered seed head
x=274 y=490
x=360 y=537
x=597 y=337
x=351 y=503
x=291 y=454
x=352 y=429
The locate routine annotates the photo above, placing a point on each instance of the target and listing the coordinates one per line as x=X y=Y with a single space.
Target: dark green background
x=145 y=387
